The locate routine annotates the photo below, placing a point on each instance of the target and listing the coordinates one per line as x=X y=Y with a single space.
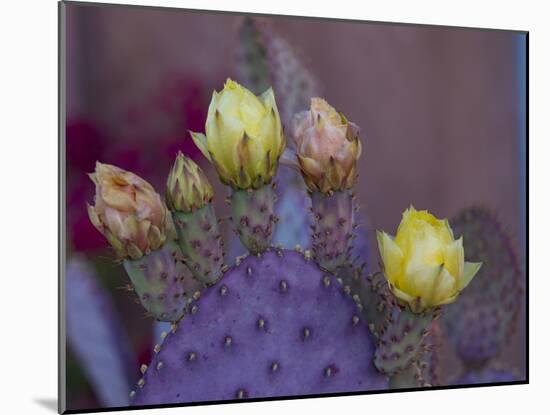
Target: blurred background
x=441 y=112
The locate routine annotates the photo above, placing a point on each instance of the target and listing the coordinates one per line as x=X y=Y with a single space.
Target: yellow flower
x=128 y=212
x=327 y=147
x=244 y=138
x=187 y=188
x=424 y=264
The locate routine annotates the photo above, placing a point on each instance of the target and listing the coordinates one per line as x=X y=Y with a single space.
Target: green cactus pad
x=253 y=217
x=163 y=284
x=429 y=361
x=483 y=318
x=401 y=344
x=410 y=377
x=371 y=295
x=201 y=243
x=332 y=229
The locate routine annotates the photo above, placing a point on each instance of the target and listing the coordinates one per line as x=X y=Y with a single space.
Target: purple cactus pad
x=272 y=326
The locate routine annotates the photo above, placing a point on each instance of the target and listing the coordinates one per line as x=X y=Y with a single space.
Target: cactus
x=483 y=318
x=201 y=244
x=400 y=345
x=282 y=322
x=162 y=283
x=385 y=318
x=274 y=326
x=253 y=217
x=189 y=196
x=430 y=360
x=265 y=59
x=332 y=230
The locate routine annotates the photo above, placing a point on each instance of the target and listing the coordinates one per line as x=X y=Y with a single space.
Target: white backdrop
x=28 y=226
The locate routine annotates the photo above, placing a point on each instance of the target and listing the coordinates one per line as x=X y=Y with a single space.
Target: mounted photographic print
x=276 y=207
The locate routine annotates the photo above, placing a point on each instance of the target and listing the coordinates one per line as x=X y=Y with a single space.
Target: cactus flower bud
x=424 y=264
x=128 y=212
x=189 y=196
x=187 y=188
x=244 y=138
x=327 y=148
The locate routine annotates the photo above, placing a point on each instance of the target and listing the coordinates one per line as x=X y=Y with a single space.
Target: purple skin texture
x=275 y=325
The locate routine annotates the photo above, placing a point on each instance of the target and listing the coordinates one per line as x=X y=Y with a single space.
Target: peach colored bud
x=327 y=147
x=128 y=212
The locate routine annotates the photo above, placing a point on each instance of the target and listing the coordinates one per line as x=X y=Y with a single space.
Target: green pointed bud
x=188 y=196
x=187 y=188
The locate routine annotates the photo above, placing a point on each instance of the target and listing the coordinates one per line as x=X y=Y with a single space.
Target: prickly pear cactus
x=400 y=344
x=253 y=216
x=163 y=284
x=275 y=325
x=483 y=317
x=332 y=229
x=406 y=347
x=265 y=59
x=200 y=242
x=430 y=367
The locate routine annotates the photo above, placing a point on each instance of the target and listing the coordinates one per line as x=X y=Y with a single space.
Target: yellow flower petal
x=243 y=136
x=454 y=258
x=421 y=282
x=448 y=228
x=391 y=256
x=470 y=270
x=200 y=141
x=401 y=294
x=252 y=112
x=213 y=105
x=94 y=218
x=230 y=133
x=445 y=287
x=310 y=166
x=228 y=101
